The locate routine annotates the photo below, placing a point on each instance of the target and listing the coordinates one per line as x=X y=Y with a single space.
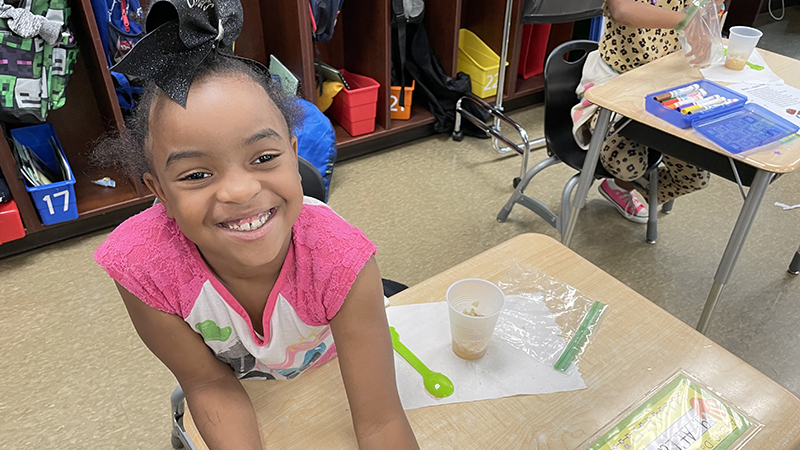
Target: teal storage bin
x=55 y=201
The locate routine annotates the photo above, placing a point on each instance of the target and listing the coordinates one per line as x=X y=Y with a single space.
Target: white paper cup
x=474 y=306
x=741 y=43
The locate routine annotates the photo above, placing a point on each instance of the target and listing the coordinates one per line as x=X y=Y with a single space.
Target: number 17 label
x=49 y=201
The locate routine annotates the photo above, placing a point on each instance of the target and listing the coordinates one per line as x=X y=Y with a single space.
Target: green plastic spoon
x=435 y=383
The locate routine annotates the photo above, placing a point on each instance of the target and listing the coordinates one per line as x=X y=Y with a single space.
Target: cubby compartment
x=78 y=124
x=361 y=45
x=484 y=18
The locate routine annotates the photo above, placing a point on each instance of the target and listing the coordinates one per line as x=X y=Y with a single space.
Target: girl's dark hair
x=127 y=151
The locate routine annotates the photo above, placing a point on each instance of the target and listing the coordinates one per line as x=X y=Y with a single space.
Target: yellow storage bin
x=480 y=62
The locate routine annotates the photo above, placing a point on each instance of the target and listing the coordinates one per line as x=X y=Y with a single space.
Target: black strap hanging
x=399 y=22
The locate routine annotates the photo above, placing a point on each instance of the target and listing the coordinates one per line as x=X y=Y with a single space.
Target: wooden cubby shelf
x=361 y=44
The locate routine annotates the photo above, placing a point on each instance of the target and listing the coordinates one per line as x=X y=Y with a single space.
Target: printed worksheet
x=781 y=99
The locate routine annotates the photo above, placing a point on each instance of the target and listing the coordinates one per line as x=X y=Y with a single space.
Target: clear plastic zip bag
x=549 y=320
x=700 y=34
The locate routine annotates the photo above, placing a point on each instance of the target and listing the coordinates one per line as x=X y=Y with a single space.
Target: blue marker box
x=55 y=201
x=745 y=129
x=680 y=120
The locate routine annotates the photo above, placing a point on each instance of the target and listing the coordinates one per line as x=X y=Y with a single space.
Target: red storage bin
x=10 y=224
x=355 y=109
x=533 y=49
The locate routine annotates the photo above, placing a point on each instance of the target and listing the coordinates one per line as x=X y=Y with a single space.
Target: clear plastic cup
x=741 y=43
x=474 y=306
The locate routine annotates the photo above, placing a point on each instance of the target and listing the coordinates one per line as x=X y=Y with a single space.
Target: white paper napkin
x=747 y=75
x=503 y=372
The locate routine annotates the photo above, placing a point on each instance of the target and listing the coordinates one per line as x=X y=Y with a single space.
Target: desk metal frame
x=758 y=179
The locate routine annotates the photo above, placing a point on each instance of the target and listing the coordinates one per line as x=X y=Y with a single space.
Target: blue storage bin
x=55 y=201
x=675 y=117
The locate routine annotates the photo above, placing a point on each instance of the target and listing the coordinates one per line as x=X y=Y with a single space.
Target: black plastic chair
x=560 y=11
x=313 y=184
x=561 y=77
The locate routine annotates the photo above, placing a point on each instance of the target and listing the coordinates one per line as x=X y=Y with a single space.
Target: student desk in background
x=638 y=346
x=625 y=95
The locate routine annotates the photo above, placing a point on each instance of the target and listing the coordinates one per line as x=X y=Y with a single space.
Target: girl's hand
x=700 y=33
x=698 y=39
x=366 y=359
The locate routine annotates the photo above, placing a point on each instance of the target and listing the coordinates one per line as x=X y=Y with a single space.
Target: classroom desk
x=625 y=95
x=639 y=345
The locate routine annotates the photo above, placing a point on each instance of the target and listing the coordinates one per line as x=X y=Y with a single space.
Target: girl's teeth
x=257 y=223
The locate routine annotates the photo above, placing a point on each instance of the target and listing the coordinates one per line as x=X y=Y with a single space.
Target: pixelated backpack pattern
x=33 y=72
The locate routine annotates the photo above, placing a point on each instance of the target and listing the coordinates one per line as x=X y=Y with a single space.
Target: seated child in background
x=637 y=32
x=235 y=274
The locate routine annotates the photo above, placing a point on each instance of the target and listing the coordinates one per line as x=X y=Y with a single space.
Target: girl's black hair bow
x=180 y=35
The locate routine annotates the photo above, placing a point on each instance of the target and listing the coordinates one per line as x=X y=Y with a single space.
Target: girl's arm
x=220 y=406
x=642 y=15
x=366 y=359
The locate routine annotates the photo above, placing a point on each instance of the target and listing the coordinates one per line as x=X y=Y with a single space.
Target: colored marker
x=711 y=100
x=673 y=103
x=688 y=102
x=680 y=103
x=701 y=102
x=689 y=109
x=695 y=95
x=677 y=92
x=717 y=101
x=706 y=108
x=699 y=92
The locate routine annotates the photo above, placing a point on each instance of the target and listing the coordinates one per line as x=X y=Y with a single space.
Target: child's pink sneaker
x=627 y=203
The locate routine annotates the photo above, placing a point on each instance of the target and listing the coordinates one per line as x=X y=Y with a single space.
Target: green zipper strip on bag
x=578 y=341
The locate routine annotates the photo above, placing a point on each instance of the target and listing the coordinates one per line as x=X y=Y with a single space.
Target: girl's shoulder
x=140 y=235
x=150 y=257
x=328 y=254
x=321 y=231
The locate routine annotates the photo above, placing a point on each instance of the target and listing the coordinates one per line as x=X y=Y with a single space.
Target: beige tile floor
x=75 y=375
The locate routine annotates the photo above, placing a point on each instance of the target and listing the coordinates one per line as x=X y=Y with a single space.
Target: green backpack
x=34 y=72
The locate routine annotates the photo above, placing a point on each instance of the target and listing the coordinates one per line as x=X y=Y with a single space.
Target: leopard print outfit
x=624 y=49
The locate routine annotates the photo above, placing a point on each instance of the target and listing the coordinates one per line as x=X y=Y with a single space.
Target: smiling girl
x=235 y=274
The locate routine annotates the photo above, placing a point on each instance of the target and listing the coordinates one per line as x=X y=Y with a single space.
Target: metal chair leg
x=566 y=195
x=666 y=208
x=531 y=146
x=178 y=436
x=501 y=85
x=176 y=401
x=794 y=267
x=652 y=219
x=587 y=173
x=518 y=196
